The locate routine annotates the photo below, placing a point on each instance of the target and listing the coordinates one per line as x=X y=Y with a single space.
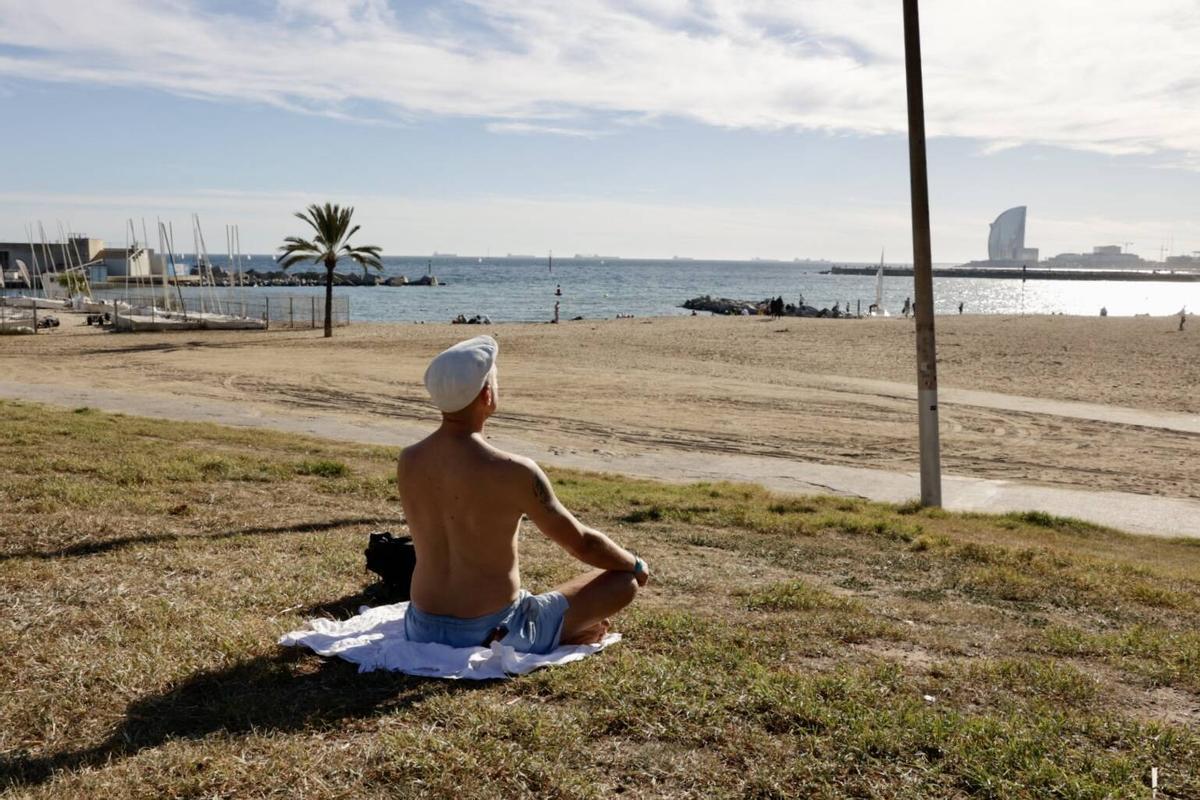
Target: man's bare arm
x=553 y=519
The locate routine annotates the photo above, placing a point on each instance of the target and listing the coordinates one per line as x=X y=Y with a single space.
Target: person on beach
x=960 y=308
x=555 y=312
x=1182 y=317
x=907 y=306
x=464 y=500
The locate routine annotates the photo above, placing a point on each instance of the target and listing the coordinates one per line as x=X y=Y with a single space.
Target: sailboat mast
x=170 y=234
x=87 y=282
x=229 y=253
x=129 y=259
x=48 y=261
x=161 y=247
x=879 y=285
x=241 y=278
x=69 y=267
x=37 y=271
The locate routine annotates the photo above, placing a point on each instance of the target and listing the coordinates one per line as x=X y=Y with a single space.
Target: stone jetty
x=728 y=307
x=253 y=277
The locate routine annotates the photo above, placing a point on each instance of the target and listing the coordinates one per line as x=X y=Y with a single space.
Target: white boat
x=90 y=306
x=12 y=327
x=135 y=323
x=148 y=318
x=16 y=321
x=25 y=301
x=877 y=309
x=230 y=322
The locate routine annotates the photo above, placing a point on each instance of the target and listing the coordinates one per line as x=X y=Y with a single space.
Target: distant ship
x=445 y=255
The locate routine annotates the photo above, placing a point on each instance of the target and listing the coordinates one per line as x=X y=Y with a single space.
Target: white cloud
x=529 y=128
x=1100 y=75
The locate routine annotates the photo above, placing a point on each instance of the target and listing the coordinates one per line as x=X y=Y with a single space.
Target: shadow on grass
x=91 y=548
x=281 y=692
x=377 y=594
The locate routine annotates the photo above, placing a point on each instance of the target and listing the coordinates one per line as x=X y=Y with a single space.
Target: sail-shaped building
x=1006 y=242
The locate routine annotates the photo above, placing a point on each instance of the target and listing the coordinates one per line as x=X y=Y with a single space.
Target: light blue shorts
x=532 y=624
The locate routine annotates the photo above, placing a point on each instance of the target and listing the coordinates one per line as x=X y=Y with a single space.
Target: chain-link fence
x=280 y=311
x=303 y=311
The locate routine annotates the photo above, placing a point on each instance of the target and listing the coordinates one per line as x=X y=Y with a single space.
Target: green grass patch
x=787 y=647
x=322 y=468
x=795 y=595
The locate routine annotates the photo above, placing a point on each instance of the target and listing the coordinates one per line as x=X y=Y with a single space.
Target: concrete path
x=1165 y=420
x=1144 y=514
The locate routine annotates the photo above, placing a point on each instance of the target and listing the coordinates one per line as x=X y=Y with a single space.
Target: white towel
x=374 y=639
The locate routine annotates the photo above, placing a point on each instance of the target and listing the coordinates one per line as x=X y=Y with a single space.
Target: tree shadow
x=90 y=548
x=289 y=691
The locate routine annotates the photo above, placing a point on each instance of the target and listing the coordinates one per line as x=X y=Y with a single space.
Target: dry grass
x=819 y=647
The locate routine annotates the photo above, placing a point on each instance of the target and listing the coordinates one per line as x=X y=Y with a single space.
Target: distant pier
x=1035 y=274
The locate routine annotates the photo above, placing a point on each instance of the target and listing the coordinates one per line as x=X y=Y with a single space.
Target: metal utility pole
x=931 y=461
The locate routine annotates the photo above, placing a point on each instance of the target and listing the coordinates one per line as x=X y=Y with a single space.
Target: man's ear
x=485 y=394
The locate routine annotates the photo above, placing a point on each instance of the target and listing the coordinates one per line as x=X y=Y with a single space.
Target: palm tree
x=331 y=224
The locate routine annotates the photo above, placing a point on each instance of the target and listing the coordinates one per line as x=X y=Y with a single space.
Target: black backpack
x=392 y=558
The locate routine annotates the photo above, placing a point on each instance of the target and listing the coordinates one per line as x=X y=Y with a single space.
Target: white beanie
x=457 y=375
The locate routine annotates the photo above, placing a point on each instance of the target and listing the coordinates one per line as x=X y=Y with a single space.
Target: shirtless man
x=464 y=500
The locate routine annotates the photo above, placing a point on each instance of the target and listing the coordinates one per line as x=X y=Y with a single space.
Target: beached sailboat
x=222 y=318
x=39 y=280
x=145 y=314
x=152 y=317
x=26 y=301
x=141 y=322
x=74 y=278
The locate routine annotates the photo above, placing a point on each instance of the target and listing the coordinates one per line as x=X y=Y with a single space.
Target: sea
x=522 y=289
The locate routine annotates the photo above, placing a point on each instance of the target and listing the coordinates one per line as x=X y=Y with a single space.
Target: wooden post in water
x=291 y=312
x=927 y=402
x=314 y=311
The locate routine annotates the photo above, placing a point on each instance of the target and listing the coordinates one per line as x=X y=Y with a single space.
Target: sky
x=719 y=129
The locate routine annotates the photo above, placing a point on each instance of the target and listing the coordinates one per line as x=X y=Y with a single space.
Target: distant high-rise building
x=1007 y=237
x=1006 y=241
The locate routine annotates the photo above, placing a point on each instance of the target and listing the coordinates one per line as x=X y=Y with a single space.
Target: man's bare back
x=464 y=501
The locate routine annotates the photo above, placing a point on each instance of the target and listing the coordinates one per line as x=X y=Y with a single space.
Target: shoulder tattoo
x=541 y=490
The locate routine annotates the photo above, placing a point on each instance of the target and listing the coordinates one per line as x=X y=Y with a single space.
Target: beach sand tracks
x=695 y=385
x=839 y=427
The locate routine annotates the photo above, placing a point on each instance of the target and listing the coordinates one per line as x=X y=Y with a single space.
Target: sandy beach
x=826 y=391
